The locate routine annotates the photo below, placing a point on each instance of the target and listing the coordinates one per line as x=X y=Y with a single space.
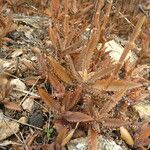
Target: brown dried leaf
x=87 y=53
x=116 y=85
x=143 y=133
x=31 y=80
x=27 y=63
x=12 y=105
x=75 y=74
x=59 y=87
x=72 y=98
x=109 y=105
x=59 y=70
x=53 y=37
x=93 y=140
x=69 y=136
x=55 y=4
x=42 y=64
x=62 y=132
x=74 y=6
x=48 y=100
x=5 y=86
x=101 y=73
x=77 y=117
x=113 y=122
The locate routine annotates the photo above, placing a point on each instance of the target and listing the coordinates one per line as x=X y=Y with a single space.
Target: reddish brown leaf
x=93 y=140
x=53 y=37
x=69 y=136
x=101 y=73
x=31 y=80
x=116 y=85
x=59 y=87
x=12 y=105
x=143 y=133
x=59 y=70
x=109 y=105
x=61 y=136
x=55 y=4
x=48 y=100
x=77 y=117
x=42 y=64
x=113 y=122
x=72 y=98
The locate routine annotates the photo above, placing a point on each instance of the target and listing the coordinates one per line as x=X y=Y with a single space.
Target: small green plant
x=49 y=133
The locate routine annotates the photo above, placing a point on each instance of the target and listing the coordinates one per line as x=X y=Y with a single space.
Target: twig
x=23 y=123
x=7 y=73
x=24 y=142
x=29 y=91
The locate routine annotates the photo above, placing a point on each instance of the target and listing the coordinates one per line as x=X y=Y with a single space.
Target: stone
x=28 y=104
x=104 y=144
x=143 y=109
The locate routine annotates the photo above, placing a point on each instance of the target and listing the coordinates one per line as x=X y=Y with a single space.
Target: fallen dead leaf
x=28 y=104
x=7 y=127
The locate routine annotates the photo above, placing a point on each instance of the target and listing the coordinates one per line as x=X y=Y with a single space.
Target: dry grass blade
x=116 y=85
x=66 y=20
x=77 y=117
x=106 y=17
x=48 y=100
x=59 y=70
x=87 y=52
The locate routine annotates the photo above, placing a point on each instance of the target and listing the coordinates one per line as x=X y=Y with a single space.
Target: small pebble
x=36 y=119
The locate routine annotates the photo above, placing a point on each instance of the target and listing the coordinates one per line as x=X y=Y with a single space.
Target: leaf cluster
x=95 y=87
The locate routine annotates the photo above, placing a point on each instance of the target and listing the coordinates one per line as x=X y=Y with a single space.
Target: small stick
x=29 y=91
x=23 y=123
x=24 y=142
